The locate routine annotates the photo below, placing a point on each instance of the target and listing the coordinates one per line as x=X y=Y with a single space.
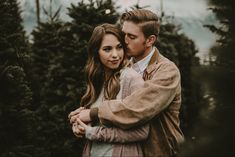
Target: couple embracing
x=133 y=95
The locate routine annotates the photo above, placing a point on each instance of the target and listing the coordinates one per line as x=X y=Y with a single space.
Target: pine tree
x=85 y=16
x=223 y=52
x=57 y=71
x=59 y=56
x=215 y=129
x=16 y=114
x=56 y=74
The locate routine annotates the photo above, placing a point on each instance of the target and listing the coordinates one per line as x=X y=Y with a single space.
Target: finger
x=81 y=129
x=79 y=136
x=78 y=132
x=81 y=123
x=72 y=114
x=74 y=125
x=75 y=112
x=73 y=119
x=78 y=129
x=74 y=129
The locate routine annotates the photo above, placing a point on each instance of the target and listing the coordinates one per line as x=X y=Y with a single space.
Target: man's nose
x=126 y=39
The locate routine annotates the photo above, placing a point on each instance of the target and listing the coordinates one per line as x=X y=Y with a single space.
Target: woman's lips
x=114 y=61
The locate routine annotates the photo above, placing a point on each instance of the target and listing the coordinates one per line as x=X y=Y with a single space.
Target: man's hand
x=77 y=111
x=73 y=119
x=74 y=114
x=84 y=115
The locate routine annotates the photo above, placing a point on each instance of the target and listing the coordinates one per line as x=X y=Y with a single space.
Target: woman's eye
x=107 y=49
x=120 y=46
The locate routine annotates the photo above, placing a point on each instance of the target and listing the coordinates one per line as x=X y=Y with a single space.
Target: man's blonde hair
x=147 y=20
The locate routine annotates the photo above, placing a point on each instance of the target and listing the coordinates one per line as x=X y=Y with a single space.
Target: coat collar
x=154 y=60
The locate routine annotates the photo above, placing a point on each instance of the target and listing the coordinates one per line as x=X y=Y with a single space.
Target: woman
x=109 y=77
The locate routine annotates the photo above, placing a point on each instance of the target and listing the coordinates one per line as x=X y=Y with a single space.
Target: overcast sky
x=180 y=8
x=190 y=14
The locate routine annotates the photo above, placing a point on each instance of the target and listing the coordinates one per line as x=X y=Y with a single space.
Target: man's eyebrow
x=129 y=34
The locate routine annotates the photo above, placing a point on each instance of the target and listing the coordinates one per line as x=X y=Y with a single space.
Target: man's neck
x=142 y=64
x=146 y=53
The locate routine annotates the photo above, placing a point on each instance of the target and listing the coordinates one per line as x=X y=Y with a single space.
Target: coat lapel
x=151 y=66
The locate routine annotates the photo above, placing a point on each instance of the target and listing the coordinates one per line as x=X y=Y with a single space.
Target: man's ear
x=151 y=40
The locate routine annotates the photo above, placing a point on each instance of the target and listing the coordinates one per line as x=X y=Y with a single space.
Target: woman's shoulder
x=128 y=72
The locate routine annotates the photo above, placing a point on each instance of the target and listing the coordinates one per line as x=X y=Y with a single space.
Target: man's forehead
x=131 y=28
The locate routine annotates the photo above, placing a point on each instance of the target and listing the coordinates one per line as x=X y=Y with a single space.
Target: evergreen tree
x=214 y=128
x=85 y=16
x=16 y=115
x=59 y=56
x=223 y=52
x=57 y=68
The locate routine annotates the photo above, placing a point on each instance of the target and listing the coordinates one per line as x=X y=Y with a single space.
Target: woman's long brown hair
x=95 y=69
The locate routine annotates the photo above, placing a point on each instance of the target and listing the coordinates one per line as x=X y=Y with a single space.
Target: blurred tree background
x=214 y=128
x=42 y=81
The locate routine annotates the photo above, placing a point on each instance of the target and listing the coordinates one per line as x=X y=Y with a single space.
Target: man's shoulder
x=165 y=62
x=163 y=66
x=163 y=59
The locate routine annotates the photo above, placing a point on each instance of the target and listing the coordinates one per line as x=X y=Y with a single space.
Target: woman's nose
x=114 y=53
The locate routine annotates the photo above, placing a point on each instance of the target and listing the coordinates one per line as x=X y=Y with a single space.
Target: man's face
x=135 y=40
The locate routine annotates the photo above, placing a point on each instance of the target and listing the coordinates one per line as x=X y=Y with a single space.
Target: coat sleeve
x=132 y=81
x=117 y=135
x=145 y=103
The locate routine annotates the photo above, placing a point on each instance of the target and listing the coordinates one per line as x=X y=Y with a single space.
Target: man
x=158 y=103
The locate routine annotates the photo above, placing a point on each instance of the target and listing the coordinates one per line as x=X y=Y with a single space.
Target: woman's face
x=111 y=52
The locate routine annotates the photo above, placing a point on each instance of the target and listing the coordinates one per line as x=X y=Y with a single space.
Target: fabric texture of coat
x=158 y=103
x=125 y=143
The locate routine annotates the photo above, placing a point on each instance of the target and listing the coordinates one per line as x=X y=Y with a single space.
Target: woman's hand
x=82 y=125
x=78 y=130
x=77 y=119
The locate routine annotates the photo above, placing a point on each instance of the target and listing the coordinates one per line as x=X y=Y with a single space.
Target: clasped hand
x=78 y=118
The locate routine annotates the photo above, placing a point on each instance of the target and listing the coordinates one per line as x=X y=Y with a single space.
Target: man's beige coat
x=157 y=103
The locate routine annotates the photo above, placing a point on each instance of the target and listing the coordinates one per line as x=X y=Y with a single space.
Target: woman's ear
x=151 y=40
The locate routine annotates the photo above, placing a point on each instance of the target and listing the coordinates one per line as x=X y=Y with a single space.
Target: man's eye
x=132 y=37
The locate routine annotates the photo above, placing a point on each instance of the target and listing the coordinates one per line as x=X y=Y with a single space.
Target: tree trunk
x=38 y=10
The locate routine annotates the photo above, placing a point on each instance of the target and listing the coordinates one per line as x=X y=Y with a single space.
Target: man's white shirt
x=141 y=65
